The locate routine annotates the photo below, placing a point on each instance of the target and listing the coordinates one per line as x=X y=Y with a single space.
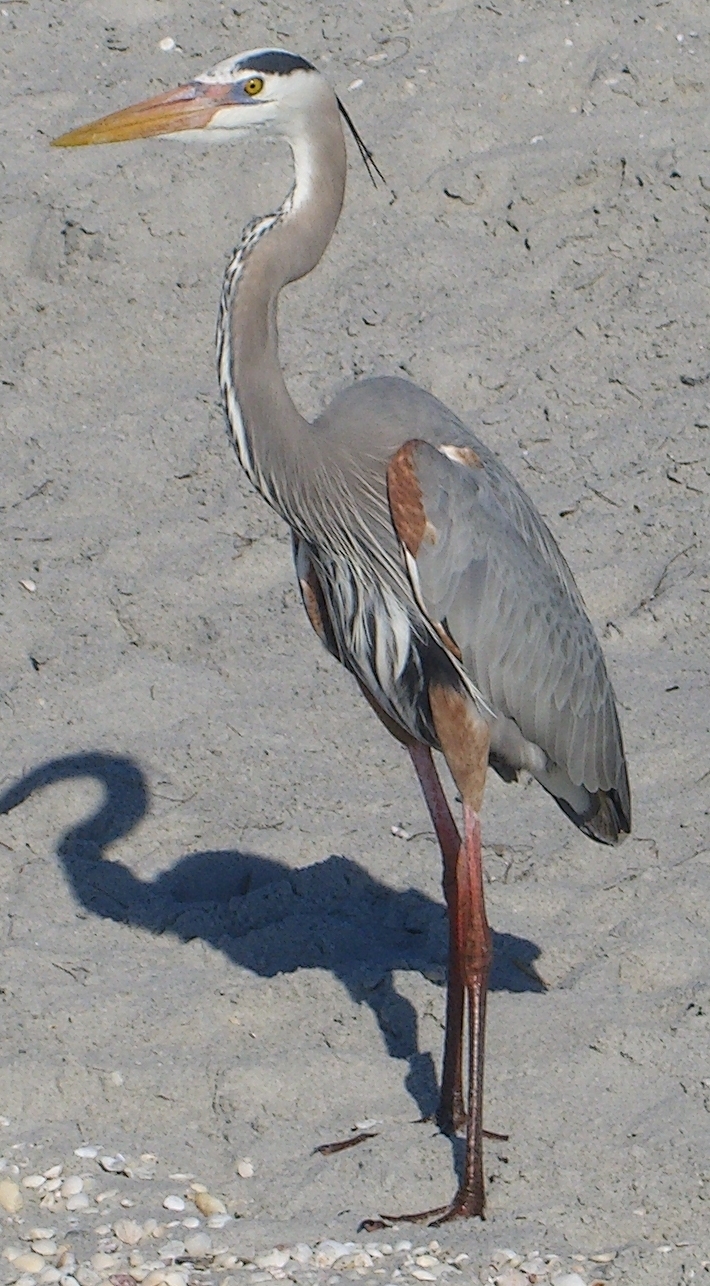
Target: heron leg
x=475 y=953
x=451 y=1114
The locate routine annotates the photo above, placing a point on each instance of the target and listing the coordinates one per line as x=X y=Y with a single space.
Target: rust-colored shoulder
x=405 y=497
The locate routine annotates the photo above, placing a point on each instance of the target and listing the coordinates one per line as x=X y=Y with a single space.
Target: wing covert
x=489 y=585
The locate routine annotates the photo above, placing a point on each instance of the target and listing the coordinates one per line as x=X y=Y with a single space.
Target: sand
x=213 y=944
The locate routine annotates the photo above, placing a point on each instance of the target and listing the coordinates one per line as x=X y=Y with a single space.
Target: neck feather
x=271 y=438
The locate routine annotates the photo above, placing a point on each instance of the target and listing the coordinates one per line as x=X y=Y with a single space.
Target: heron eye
x=253 y=86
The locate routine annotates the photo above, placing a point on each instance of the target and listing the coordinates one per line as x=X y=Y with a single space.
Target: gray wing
x=489 y=581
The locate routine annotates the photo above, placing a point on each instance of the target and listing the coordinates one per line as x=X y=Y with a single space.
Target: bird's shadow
x=267 y=917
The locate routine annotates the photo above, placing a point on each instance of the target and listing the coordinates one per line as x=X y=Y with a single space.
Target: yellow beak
x=189 y=107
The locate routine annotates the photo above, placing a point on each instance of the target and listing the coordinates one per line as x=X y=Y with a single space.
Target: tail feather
x=608 y=818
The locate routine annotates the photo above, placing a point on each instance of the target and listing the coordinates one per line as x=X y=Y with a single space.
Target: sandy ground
x=213 y=945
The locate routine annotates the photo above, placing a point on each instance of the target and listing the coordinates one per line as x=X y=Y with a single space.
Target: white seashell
x=353 y=1260
x=101 y=1262
x=34 y=1181
x=198 y=1245
x=172 y=1250
x=273 y=1259
x=128 y=1231
x=245 y=1168
x=534 y=1265
x=154 y=1278
x=174 y=1278
x=86 y=1276
x=45 y=1247
x=209 y=1205
x=53 y=1172
x=88 y=1152
x=174 y=1203
x=505 y=1259
x=78 y=1202
x=328 y=1251
x=301 y=1254
x=219 y=1221
x=28 y=1262
x=72 y=1186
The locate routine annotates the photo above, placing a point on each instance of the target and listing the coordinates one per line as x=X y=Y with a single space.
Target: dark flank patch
x=277 y=62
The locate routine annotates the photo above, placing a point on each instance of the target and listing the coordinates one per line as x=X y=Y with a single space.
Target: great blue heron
x=423 y=565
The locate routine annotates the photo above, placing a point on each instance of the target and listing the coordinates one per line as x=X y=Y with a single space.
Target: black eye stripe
x=277 y=62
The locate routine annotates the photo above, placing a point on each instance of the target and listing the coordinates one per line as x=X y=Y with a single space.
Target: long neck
x=270 y=436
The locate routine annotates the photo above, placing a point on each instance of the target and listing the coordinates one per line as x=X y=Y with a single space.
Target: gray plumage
x=423 y=566
x=494 y=578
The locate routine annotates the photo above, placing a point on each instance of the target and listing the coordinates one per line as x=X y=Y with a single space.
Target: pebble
x=88 y=1153
x=49 y=1276
x=512 y=1277
x=245 y=1168
x=568 y=1279
x=10 y=1196
x=208 y=1205
x=174 y=1203
x=167 y=44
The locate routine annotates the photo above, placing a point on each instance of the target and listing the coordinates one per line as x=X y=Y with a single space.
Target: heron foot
x=465 y=1205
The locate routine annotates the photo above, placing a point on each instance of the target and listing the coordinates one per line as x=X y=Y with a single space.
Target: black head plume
x=369 y=161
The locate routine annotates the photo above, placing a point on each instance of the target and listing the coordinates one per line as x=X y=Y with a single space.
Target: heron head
x=264 y=87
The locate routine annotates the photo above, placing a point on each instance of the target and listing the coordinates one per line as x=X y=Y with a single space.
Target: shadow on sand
x=267 y=917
